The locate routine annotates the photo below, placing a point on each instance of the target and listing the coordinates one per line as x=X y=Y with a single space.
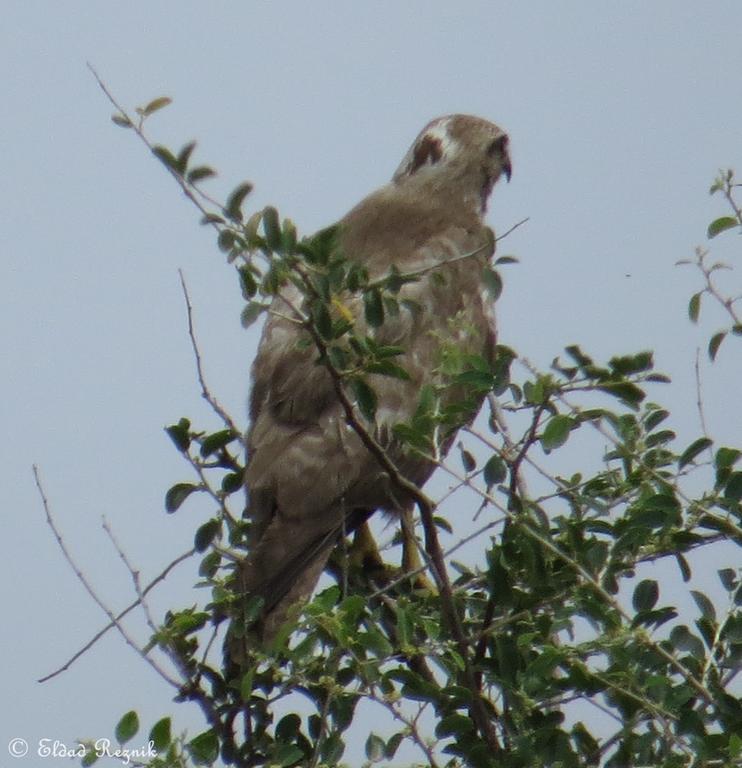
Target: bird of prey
x=309 y=477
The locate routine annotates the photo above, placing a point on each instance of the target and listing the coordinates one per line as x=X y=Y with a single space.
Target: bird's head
x=458 y=154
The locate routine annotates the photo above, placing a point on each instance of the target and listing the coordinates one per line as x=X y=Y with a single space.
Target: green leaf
x=251 y=313
x=200 y=173
x=705 y=606
x=184 y=156
x=453 y=725
x=248 y=286
x=155 y=104
x=655 y=418
x=226 y=240
x=160 y=734
x=393 y=745
x=285 y=755
x=694 y=306
x=127 y=727
x=684 y=640
x=373 y=307
x=467 y=460
x=728 y=578
x=188 y=621
x=204 y=748
x=685 y=570
x=180 y=434
x=693 y=450
x=375 y=748
x=365 y=398
x=233 y=206
x=166 y=157
x=178 y=494
x=733 y=489
x=726 y=457
x=122 y=121
x=288 y=727
x=387 y=368
x=625 y=391
x=373 y=640
x=492 y=282
x=322 y=319
x=717 y=226
x=645 y=595
x=628 y=364
x=206 y=534
x=495 y=471
x=91 y=756
x=272 y=228
x=216 y=441
x=288 y=237
x=332 y=749
x=246 y=684
x=253 y=609
x=715 y=343
x=210 y=565
x=211 y=218
x=232 y=482
x=556 y=432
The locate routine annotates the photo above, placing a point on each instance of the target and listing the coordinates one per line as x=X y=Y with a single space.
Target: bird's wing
x=308 y=473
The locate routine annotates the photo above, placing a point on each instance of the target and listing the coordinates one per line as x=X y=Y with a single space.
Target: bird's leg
x=364 y=552
x=411 y=562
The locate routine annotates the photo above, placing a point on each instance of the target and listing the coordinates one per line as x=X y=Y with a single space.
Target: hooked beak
x=507 y=167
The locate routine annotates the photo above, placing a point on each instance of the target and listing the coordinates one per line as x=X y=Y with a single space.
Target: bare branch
x=93 y=594
x=205 y=392
x=111 y=625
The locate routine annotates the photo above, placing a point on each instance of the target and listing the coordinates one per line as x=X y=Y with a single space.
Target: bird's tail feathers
x=285 y=572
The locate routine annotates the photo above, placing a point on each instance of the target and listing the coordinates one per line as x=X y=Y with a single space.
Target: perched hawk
x=309 y=477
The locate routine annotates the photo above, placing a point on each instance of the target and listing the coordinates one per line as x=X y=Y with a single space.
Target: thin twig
x=93 y=594
x=111 y=625
x=134 y=573
x=410 y=725
x=140 y=133
x=699 y=397
x=205 y=391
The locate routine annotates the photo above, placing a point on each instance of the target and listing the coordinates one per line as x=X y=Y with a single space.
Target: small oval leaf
x=495 y=471
x=160 y=735
x=556 y=432
x=201 y=173
x=178 y=494
x=233 y=207
x=694 y=306
x=127 y=727
x=693 y=450
x=715 y=343
x=155 y=104
x=720 y=225
x=122 y=121
x=645 y=595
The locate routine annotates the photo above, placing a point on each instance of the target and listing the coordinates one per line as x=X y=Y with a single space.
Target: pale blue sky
x=619 y=114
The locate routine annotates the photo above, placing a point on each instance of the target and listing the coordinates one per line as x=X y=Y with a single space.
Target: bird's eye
x=498 y=146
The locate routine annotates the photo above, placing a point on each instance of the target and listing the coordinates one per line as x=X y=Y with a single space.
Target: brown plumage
x=309 y=478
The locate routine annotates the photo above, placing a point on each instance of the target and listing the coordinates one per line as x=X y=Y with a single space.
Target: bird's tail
x=283 y=571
